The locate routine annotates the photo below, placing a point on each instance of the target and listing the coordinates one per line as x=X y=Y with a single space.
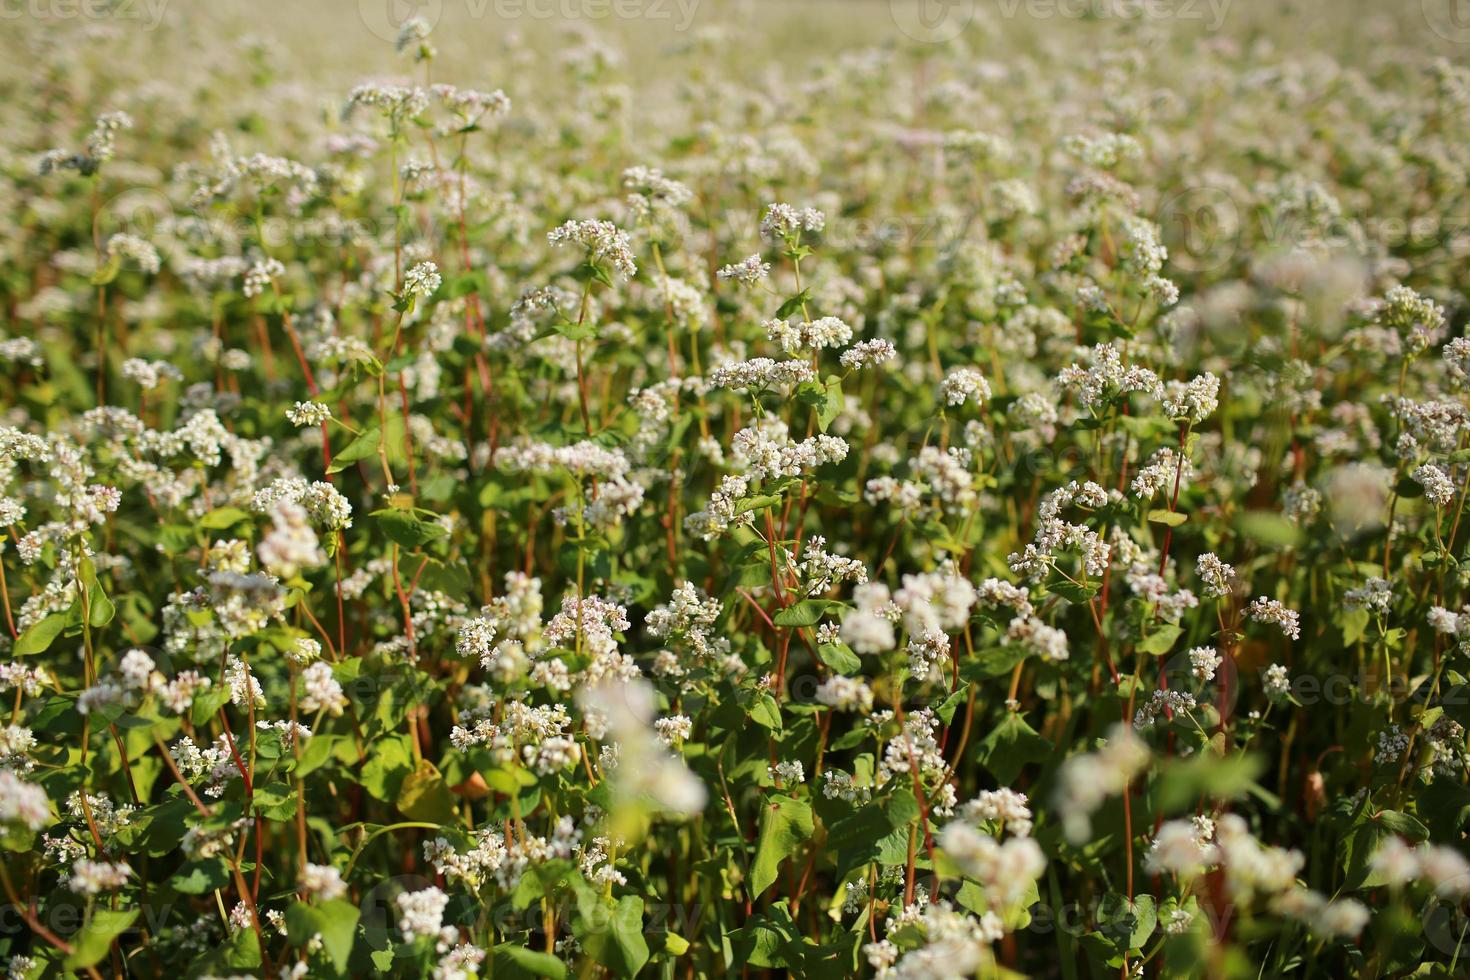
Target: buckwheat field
x=701 y=488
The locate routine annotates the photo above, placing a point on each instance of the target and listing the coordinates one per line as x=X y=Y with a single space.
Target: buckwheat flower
x=320 y=690
x=179 y=693
x=1162 y=702
x=1218 y=577
x=1272 y=612
x=1159 y=474
x=21 y=350
x=1446 y=621
x=148 y=375
x=23 y=803
x=1195 y=401
x=1181 y=849
x=803 y=337
x=646 y=769
x=869 y=627
x=901 y=493
x=964 y=384
x=413 y=34
x=308 y=414
x=760 y=373
x=1106 y=378
x=1047 y=642
x=16 y=742
x=1395 y=863
x=322 y=881
x=767 y=452
x=99 y=697
x=881 y=956
x=653 y=195
x=554 y=754
x=1341 y=917
x=421 y=913
x=1085 y=781
x=422 y=280
x=100 y=147
x=398 y=102
x=470 y=105
x=203 y=843
x=138 y=671
x=290 y=546
x=1276 y=682
x=1203 y=662
x=1417 y=318
x=603 y=241
x=1006 y=807
x=1457 y=359
x=787 y=772
x=140 y=251
x=845 y=694
x=244 y=688
x=674 y=729
x=261 y=275
x=89 y=877
x=1301 y=503
x=1446 y=869
x=1375 y=595
x=786 y=222
x=463 y=962
x=1439 y=489
x=749 y=270
x=1104 y=152
x=1006 y=870
x=867 y=353
x=719 y=516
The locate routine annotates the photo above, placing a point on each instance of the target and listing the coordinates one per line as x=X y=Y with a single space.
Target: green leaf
x=360 y=448
x=1161 y=640
x=1072 y=591
x=766 y=712
x=335 y=921
x=1268 y=528
x=207 y=703
x=513 y=960
x=1169 y=518
x=1401 y=823
x=786 y=824
x=613 y=937
x=221 y=518
x=1183 y=782
x=1011 y=745
x=38 y=638
x=757 y=503
x=91 y=942
x=793 y=304
x=406 y=528
x=807 y=612
x=839 y=657
x=424 y=796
